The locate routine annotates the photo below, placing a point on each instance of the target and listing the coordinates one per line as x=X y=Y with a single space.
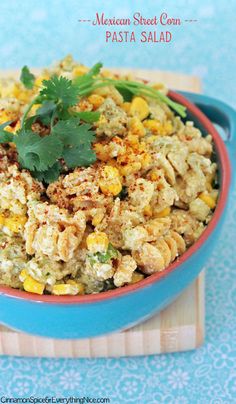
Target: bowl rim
x=151 y=279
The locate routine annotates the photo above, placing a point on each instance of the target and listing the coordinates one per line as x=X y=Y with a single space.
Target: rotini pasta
x=156 y=256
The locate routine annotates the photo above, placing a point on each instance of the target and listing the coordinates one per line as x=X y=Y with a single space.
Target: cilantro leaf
x=5 y=136
x=77 y=141
x=80 y=156
x=67 y=132
x=69 y=140
x=49 y=175
x=27 y=78
x=72 y=134
x=60 y=90
x=35 y=152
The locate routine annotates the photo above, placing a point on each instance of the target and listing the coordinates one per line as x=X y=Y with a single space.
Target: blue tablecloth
x=37 y=32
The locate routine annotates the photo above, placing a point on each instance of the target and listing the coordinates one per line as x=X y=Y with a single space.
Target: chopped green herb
x=79 y=156
x=27 y=78
x=123 y=193
x=111 y=253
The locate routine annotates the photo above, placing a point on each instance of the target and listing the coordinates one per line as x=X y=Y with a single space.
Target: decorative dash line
x=84 y=20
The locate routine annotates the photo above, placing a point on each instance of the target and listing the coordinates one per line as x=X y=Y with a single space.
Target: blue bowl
x=93 y=315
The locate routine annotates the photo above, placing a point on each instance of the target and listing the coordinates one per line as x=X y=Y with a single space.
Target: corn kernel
x=33 y=286
x=136 y=127
x=83 y=105
x=97 y=242
x=126 y=106
x=152 y=124
x=15 y=223
x=79 y=71
x=108 y=73
x=97 y=219
x=139 y=107
x=132 y=139
x=163 y=213
x=39 y=80
x=158 y=86
x=165 y=129
x=64 y=289
x=109 y=182
x=130 y=168
x=101 y=152
x=151 y=139
x=96 y=100
x=79 y=285
x=23 y=275
x=154 y=175
x=209 y=201
x=7 y=116
x=146 y=160
x=21 y=94
x=4 y=116
x=2 y=220
x=158 y=128
x=136 y=277
x=147 y=210
x=102 y=120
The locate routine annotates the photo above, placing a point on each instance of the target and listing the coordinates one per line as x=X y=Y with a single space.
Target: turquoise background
x=37 y=32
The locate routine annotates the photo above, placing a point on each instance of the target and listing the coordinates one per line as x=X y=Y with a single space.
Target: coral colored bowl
x=92 y=315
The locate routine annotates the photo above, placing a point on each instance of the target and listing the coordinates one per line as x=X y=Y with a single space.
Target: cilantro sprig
x=70 y=135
